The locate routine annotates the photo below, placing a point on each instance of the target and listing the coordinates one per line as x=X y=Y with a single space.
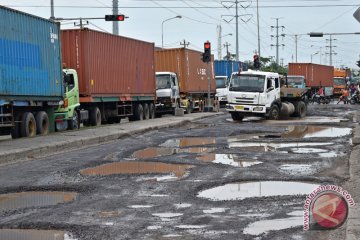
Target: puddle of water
x=308 y=150
x=182 y=205
x=109 y=214
x=215 y=210
x=168 y=216
x=247 y=119
x=196 y=150
x=263 y=226
x=267 y=147
x=153 y=227
x=137 y=168
x=227 y=159
x=191 y=226
x=255 y=215
x=159 y=152
x=140 y=206
x=13 y=201
x=299 y=168
x=17 y=234
x=330 y=154
x=240 y=191
x=306 y=131
x=188 y=142
x=166 y=178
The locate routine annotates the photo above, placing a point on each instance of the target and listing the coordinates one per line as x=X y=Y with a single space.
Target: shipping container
x=187 y=64
x=109 y=65
x=31 y=80
x=30 y=60
x=316 y=75
x=227 y=67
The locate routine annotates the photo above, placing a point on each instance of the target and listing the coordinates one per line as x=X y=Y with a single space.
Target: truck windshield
x=163 y=81
x=247 y=83
x=295 y=82
x=220 y=82
x=339 y=81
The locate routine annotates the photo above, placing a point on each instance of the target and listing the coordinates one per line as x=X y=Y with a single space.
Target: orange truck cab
x=339 y=81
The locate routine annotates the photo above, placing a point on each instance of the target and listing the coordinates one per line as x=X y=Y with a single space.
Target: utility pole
x=277 y=45
x=258 y=28
x=331 y=46
x=184 y=43
x=219 y=30
x=52 y=9
x=296 y=47
x=227 y=50
x=115 y=12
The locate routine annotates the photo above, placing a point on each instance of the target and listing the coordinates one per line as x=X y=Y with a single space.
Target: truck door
x=174 y=86
x=271 y=91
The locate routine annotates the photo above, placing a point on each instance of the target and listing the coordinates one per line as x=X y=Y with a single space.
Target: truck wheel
x=74 y=123
x=15 y=131
x=42 y=123
x=28 y=125
x=95 y=117
x=146 y=111
x=151 y=111
x=300 y=109
x=139 y=112
x=274 y=113
x=236 y=116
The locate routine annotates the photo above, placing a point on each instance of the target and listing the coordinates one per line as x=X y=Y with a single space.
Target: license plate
x=239 y=107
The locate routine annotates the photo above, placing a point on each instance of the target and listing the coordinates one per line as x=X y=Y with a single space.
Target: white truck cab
x=254 y=93
x=167 y=92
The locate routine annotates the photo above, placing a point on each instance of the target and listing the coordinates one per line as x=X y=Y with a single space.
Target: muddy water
x=20 y=234
x=315 y=131
x=240 y=191
x=135 y=167
x=227 y=159
x=188 y=142
x=20 y=200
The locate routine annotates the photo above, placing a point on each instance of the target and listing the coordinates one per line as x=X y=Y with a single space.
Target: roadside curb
x=70 y=140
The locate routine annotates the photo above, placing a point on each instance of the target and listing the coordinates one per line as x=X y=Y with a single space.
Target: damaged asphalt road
x=209 y=179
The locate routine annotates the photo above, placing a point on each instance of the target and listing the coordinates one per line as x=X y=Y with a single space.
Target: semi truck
x=256 y=93
x=115 y=79
x=339 y=81
x=185 y=67
x=223 y=70
x=31 y=78
x=315 y=75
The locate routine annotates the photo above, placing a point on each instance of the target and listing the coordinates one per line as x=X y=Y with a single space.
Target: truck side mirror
x=67 y=79
x=270 y=89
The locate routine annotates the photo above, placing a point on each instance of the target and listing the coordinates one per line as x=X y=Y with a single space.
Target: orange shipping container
x=190 y=69
x=316 y=75
x=109 y=65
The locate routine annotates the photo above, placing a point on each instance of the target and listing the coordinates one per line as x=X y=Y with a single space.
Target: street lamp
x=162 y=29
x=313 y=55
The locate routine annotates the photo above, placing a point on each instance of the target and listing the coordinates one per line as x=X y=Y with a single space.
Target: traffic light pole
x=208 y=77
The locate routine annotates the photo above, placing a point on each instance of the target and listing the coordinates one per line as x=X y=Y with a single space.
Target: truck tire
x=28 y=125
x=74 y=123
x=300 y=109
x=274 y=113
x=236 y=116
x=151 y=111
x=42 y=123
x=15 y=131
x=95 y=117
x=146 y=111
x=139 y=112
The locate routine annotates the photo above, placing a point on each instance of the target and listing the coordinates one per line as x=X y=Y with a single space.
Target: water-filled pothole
x=240 y=191
x=32 y=234
x=160 y=152
x=299 y=169
x=227 y=159
x=135 y=167
x=305 y=131
x=13 y=201
x=188 y=142
x=267 y=146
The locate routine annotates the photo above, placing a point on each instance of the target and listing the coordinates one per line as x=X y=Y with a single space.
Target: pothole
x=135 y=167
x=160 y=152
x=267 y=147
x=29 y=234
x=240 y=191
x=227 y=159
x=215 y=210
x=13 y=201
x=299 y=169
x=167 y=216
x=306 y=131
x=188 y=142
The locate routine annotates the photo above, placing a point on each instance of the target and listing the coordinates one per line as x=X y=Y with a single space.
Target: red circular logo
x=330 y=210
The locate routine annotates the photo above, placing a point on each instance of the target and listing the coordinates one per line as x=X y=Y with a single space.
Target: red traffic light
x=207 y=45
x=114 y=17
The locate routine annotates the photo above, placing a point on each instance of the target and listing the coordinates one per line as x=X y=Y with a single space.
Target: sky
x=200 y=21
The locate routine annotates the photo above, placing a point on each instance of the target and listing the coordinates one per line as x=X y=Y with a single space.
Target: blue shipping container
x=226 y=67
x=30 y=60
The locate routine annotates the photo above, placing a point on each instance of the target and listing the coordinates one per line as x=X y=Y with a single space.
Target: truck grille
x=245 y=100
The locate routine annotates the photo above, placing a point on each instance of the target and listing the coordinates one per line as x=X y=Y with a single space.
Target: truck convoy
x=256 y=93
x=110 y=78
x=223 y=71
x=181 y=71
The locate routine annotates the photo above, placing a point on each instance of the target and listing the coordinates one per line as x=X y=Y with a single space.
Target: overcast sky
x=201 y=18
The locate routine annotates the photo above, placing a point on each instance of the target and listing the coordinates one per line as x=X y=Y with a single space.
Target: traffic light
x=256 y=61
x=207 y=52
x=114 y=17
x=316 y=34
x=358 y=63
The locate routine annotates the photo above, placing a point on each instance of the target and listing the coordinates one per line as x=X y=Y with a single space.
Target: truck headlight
x=258 y=109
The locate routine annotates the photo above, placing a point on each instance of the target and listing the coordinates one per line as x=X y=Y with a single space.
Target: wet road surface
x=210 y=179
